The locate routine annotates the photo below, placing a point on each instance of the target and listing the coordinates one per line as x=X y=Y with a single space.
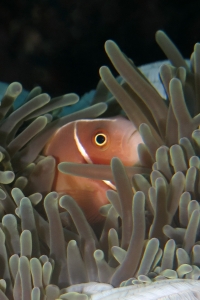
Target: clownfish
x=94 y=141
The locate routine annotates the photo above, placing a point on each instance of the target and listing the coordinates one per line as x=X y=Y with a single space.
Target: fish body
x=92 y=141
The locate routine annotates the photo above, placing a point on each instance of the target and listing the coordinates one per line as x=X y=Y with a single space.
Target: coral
x=151 y=232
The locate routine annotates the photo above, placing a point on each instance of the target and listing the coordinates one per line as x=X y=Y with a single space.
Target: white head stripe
x=86 y=156
x=80 y=146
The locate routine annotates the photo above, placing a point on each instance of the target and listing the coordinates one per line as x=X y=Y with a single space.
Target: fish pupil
x=100 y=139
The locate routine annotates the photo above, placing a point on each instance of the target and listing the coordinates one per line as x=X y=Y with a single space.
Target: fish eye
x=100 y=139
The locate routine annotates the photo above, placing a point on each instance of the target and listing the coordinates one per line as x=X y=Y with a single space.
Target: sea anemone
x=150 y=243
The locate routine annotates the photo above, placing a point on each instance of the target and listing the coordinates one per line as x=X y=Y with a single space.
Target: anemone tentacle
x=151 y=233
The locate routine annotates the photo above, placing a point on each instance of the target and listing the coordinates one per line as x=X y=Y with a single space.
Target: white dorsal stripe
x=85 y=155
x=97 y=120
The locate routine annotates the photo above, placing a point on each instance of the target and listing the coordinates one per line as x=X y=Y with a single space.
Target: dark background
x=60 y=44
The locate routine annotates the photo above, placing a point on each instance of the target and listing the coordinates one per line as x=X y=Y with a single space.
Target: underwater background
x=59 y=44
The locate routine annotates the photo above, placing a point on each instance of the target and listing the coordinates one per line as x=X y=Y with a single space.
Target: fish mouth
x=132 y=135
x=110 y=184
x=88 y=159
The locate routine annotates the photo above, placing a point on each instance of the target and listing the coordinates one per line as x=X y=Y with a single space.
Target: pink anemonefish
x=92 y=141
